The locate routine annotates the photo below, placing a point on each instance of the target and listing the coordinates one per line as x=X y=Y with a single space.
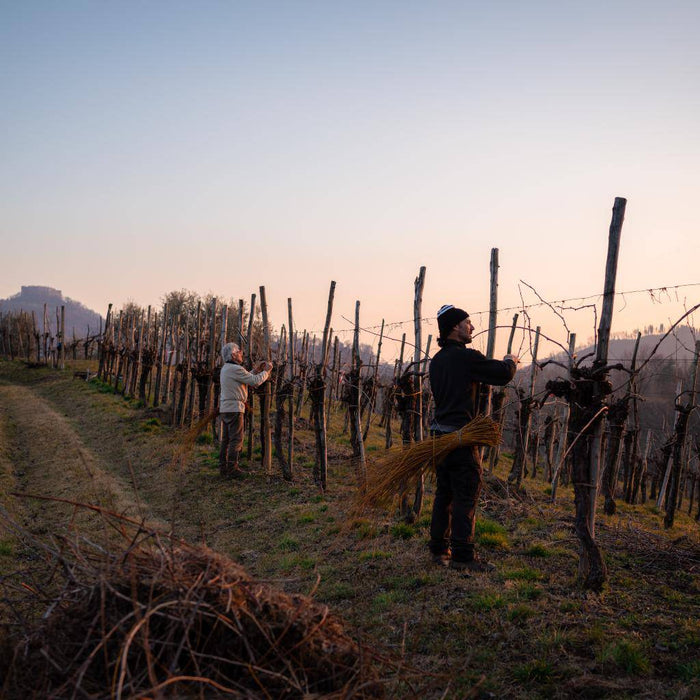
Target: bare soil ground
x=525 y=630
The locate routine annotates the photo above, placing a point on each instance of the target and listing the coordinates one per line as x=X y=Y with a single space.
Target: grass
x=689 y=671
x=538 y=550
x=627 y=655
x=288 y=544
x=488 y=601
x=374 y=554
x=523 y=574
x=537 y=671
x=524 y=627
x=403 y=531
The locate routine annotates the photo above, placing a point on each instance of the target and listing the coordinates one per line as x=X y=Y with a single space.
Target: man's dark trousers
x=231 y=442
x=454 y=508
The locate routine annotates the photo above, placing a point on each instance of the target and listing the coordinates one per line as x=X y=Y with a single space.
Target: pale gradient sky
x=218 y=146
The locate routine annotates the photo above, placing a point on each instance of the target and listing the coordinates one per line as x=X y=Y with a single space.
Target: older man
x=235 y=381
x=456 y=373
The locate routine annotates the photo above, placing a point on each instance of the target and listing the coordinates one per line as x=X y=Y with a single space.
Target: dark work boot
x=441 y=558
x=475 y=565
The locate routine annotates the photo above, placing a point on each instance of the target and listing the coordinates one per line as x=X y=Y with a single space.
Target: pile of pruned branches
x=170 y=619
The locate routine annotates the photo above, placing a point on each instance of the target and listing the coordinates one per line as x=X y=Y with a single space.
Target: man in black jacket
x=456 y=374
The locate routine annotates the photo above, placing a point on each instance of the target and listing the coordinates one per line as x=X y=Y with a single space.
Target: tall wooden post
x=603 y=345
x=290 y=411
x=160 y=350
x=487 y=390
x=589 y=421
x=419 y=284
x=317 y=393
x=250 y=414
x=224 y=327
x=265 y=425
x=102 y=345
x=354 y=407
x=211 y=359
x=62 y=353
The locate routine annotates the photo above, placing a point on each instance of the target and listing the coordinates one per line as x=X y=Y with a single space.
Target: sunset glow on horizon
x=219 y=147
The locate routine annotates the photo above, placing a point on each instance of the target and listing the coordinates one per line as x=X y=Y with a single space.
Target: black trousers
x=454 y=509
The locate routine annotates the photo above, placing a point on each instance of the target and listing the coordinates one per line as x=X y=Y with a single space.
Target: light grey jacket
x=235 y=381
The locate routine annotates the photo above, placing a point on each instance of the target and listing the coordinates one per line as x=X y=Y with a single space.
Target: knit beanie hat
x=448 y=317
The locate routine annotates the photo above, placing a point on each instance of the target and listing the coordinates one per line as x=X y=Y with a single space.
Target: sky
x=219 y=146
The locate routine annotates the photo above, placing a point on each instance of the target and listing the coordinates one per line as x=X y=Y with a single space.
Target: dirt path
x=42 y=454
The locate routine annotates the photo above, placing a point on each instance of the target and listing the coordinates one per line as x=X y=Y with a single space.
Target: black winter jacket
x=456 y=374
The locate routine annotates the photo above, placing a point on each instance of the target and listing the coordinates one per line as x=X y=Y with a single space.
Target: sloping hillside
x=32 y=298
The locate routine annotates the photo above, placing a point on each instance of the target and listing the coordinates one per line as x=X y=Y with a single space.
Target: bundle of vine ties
x=402 y=466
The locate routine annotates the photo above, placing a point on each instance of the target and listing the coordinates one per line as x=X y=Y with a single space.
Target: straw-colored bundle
x=186 y=441
x=401 y=466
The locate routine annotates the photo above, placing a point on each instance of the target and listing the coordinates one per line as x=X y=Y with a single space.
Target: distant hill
x=32 y=298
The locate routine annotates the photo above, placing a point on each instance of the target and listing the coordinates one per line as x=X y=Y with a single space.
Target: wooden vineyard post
x=211 y=359
x=587 y=420
x=335 y=379
x=166 y=355
x=524 y=420
x=35 y=333
x=290 y=410
x=116 y=353
x=266 y=394
x=238 y=339
x=128 y=351
x=419 y=285
x=216 y=371
x=45 y=336
x=102 y=345
x=62 y=339
x=161 y=357
x=250 y=413
x=358 y=446
x=191 y=359
x=317 y=394
x=487 y=390
x=146 y=355
x=224 y=329
x=281 y=396
x=602 y=354
x=139 y=352
x=184 y=365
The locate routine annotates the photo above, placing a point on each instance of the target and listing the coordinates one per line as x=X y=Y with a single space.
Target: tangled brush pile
x=400 y=467
x=165 y=620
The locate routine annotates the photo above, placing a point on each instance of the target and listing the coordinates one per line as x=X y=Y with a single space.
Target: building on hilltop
x=35 y=292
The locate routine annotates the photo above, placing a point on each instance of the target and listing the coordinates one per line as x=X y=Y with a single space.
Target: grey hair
x=228 y=350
